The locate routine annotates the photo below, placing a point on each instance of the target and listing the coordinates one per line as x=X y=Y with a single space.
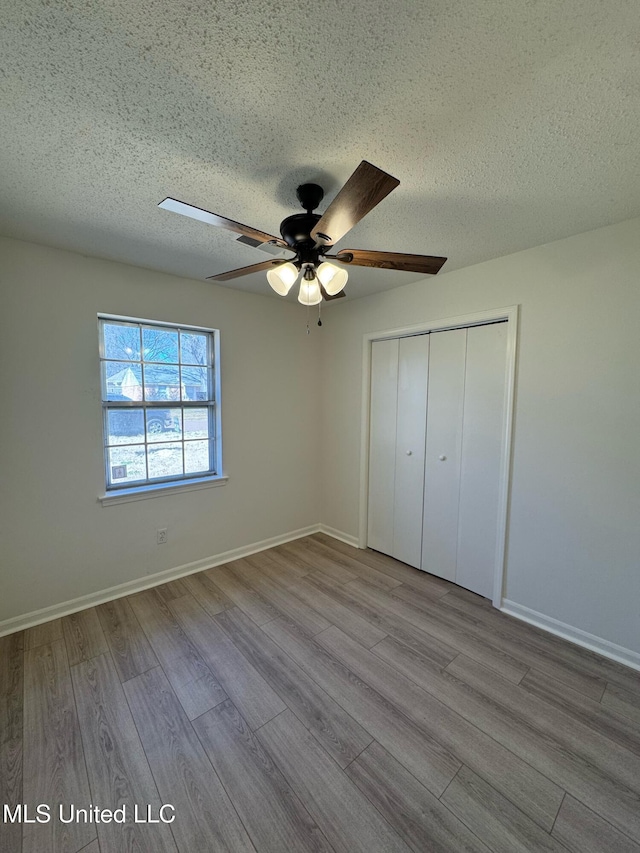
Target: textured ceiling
x=509 y=123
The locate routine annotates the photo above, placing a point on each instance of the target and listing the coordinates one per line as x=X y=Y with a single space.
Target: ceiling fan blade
x=184 y=209
x=390 y=260
x=227 y=276
x=366 y=188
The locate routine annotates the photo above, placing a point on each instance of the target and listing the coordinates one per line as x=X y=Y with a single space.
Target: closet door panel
x=482 y=441
x=444 y=439
x=382 y=444
x=413 y=365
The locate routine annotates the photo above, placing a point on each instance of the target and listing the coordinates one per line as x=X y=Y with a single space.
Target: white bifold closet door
x=465 y=434
x=436 y=438
x=442 y=458
x=483 y=438
x=399 y=373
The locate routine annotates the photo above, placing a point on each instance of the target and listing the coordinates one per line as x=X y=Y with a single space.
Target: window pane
x=161 y=382
x=196 y=457
x=164 y=424
x=159 y=388
x=122 y=380
x=160 y=345
x=195 y=383
x=196 y=423
x=127 y=465
x=125 y=426
x=193 y=348
x=121 y=341
x=165 y=460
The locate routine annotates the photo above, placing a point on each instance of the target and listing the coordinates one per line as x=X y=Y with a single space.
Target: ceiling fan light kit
x=282 y=278
x=310 y=293
x=310 y=236
x=332 y=278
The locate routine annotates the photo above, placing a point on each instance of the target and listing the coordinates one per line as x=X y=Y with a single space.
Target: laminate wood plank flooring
x=583 y=831
x=274 y=817
x=566 y=661
x=388 y=566
x=337 y=614
x=206 y=593
x=296 y=551
x=347 y=818
x=542 y=652
x=194 y=683
x=316 y=697
x=327 y=559
x=11 y=727
x=255 y=699
x=129 y=646
x=443 y=630
x=40 y=635
x=623 y=701
x=171 y=590
x=284 y=601
x=54 y=761
x=436 y=651
x=582 y=778
x=235 y=587
x=118 y=769
x=366 y=565
x=536 y=795
x=596 y=715
x=616 y=761
x=494 y=818
x=429 y=761
x=417 y=816
x=84 y=636
x=281 y=568
x=341 y=736
x=205 y=816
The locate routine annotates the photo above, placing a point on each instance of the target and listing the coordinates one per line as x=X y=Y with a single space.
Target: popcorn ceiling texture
x=510 y=123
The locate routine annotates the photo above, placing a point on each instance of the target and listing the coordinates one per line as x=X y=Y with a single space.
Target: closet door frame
x=510 y=314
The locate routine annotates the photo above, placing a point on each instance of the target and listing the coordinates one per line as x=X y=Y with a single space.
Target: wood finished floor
x=314 y=697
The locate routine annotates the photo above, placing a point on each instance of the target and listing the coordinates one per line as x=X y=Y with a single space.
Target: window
x=159 y=399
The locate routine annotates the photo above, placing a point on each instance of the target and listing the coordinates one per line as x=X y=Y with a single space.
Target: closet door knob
x=409 y=452
x=442 y=458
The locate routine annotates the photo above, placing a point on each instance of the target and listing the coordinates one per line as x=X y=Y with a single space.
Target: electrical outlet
x=161 y=536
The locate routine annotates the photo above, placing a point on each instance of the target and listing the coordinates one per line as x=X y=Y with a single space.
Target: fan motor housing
x=296 y=229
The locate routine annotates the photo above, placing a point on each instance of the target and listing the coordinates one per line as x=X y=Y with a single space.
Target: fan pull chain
x=319 y=313
x=308 y=329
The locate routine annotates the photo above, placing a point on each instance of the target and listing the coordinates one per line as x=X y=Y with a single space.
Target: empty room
x=319 y=462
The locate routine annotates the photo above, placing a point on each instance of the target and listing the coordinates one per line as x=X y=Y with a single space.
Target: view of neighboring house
x=161 y=382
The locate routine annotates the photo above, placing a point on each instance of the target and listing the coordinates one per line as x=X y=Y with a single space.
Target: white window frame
x=150 y=488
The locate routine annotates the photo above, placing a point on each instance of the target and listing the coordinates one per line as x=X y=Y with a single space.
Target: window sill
x=159 y=490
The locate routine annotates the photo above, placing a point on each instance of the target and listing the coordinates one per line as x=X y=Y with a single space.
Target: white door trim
x=511 y=314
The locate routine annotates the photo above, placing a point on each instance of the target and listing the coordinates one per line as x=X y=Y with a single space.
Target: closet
x=437 y=424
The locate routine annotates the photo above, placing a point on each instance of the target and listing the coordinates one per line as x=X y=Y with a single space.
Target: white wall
x=574 y=538
x=574 y=531
x=57 y=541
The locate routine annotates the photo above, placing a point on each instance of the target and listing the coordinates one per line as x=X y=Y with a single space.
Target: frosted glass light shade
x=309 y=292
x=282 y=277
x=332 y=278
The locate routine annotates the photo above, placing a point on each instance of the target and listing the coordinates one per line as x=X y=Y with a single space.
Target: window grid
x=174 y=405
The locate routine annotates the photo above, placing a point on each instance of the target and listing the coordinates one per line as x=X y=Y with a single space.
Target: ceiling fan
x=310 y=236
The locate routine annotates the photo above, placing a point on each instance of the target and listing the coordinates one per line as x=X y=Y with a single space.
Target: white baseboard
x=338 y=534
x=36 y=617
x=574 y=635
